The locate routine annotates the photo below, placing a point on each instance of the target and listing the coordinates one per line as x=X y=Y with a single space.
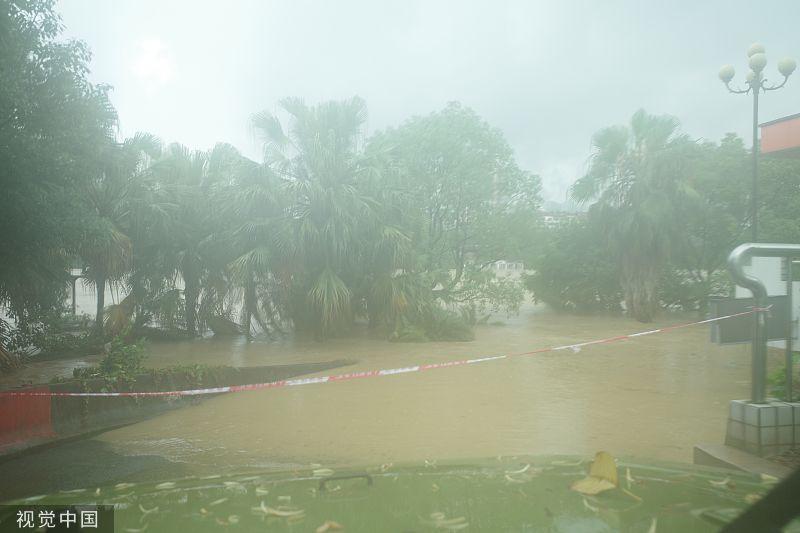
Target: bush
x=123 y=361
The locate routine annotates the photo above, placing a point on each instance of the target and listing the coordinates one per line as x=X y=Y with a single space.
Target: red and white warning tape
x=369 y=373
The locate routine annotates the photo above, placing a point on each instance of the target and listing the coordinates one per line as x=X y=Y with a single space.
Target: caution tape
x=368 y=373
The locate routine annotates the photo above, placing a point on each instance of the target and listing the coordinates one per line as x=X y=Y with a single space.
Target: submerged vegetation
x=333 y=226
x=398 y=229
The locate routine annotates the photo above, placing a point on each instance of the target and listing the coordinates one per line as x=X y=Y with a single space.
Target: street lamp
x=756 y=82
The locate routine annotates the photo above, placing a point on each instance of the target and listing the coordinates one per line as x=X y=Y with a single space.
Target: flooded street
x=653 y=397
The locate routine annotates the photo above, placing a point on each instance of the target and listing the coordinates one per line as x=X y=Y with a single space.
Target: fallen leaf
x=520 y=471
x=604 y=467
x=752 y=498
x=602 y=476
x=592 y=485
x=329 y=525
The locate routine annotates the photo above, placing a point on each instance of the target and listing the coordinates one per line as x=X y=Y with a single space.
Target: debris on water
x=329 y=525
x=590 y=507
x=430 y=464
x=727 y=483
x=262 y=491
x=440 y=521
x=97 y=491
x=147 y=511
x=234 y=486
x=752 y=498
x=766 y=478
x=322 y=472
x=385 y=467
x=233 y=519
x=281 y=512
x=435 y=487
x=632 y=495
x=653 y=526
x=520 y=471
x=579 y=462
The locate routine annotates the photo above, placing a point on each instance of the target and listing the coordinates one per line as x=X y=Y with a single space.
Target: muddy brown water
x=654 y=397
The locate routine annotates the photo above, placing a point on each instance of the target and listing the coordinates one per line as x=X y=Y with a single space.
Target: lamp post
x=756 y=82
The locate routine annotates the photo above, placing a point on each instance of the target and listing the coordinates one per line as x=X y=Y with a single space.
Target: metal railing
x=756 y=286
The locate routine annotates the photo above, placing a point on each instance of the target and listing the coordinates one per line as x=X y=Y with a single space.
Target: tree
x=107 y=198
x=710 y=223
x=638 y=177
x=52 y=121
x=319 y=158
x=463 y=199
x=573 y=270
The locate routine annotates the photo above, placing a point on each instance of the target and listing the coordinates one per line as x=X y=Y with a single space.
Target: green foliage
x=637 y=177
x=52 y=120
x=574 y=271
x=776 y=381
x=122 y=362
x=439 y=325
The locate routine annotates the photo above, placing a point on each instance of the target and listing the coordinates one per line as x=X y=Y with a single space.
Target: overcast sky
x=549 y=74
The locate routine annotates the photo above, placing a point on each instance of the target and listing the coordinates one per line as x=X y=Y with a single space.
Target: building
x=779 y=138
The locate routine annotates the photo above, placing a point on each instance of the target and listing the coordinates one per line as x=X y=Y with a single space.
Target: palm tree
x=638 y=178
x=106 y=248
x=319 y=161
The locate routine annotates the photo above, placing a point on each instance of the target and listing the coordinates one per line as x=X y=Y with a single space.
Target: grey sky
x=549 y=74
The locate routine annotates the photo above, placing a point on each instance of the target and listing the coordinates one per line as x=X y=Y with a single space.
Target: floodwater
x=653 y=397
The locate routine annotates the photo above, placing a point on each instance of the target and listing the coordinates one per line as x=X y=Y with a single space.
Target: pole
x=74 y=279
x=759 y=290
x=790 y=323
x=754 y=199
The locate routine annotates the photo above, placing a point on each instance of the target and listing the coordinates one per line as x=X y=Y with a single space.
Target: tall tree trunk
x=640 y=284
x=100 y=286
x=249 y=304
x=191 y=293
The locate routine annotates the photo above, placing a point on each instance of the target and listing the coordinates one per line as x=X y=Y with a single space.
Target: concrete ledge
x=721 y=455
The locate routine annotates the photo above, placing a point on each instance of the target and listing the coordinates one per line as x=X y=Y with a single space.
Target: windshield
x=252 y=238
